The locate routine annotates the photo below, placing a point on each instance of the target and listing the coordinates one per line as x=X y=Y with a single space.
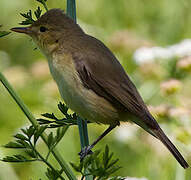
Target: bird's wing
x=101 y=72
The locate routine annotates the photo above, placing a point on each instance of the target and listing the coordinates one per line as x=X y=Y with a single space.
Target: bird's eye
x=43 y=29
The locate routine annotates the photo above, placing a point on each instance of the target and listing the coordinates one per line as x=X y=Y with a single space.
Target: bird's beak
x=25 y=30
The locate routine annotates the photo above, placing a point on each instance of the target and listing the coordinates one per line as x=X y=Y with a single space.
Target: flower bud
x=184 y=63
x=171 y=86
x=152 y=70
x=159 y=111
x=179 y=112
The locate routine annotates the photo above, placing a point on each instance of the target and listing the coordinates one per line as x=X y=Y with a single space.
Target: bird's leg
x=87 y=150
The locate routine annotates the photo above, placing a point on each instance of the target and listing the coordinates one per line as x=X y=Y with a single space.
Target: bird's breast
x=83 y=101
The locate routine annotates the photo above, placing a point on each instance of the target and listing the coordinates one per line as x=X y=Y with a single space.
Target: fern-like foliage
x=53 y=122
x=3 y=33
x=37 y=13
x=27 y=140
x=99 y=165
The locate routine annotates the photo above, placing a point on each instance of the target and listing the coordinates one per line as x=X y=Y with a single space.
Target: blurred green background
x=124 y=26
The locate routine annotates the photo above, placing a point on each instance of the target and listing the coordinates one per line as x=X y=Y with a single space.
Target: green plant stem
x=82 y=124
x=33 y=121
x=71 y=9
x=50 y=149
x=45 y=161
x=44 y=4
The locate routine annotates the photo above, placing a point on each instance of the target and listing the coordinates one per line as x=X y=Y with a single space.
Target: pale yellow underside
x=81 y=100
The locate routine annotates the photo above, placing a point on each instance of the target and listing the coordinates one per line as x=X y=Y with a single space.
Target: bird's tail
x=166 y=141
x=157 y=132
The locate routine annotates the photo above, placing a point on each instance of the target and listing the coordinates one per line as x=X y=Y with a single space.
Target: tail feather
x=165 y=140
x=149 y=124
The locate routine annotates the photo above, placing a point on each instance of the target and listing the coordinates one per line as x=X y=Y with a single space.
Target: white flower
x=146 y=54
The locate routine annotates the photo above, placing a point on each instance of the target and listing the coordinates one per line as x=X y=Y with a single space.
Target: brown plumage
x=91 y=80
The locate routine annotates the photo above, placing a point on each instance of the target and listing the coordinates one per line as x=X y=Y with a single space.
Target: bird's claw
x=84 y=152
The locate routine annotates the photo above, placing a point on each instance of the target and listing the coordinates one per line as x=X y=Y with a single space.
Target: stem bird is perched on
x=91 y=80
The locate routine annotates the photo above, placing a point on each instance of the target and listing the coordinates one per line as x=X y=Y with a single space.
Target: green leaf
x=4 y=33
x=24 y=15
x=38 y=12
x=69 y=121
x=21 y=137
x=52 y=175
x=97 y=163
x=20 y=157
x=54 y=126
x=31 y=153
x=96 y=153
x=10 y=159
x=60 y=133
x=30 y=131
x=61 y=122
x=43 y=2
x=24 y=143
x=43 y=121
x=38 y=133
x=77 y=168
x=63 y=108
x=14 y=145
x=24 y=131
x=112 y=163
x=114 y=169
x=53 y=141
x=101 y=166
x=17 y=158
x=50 y=141
x=110 y=156
x=48 y=115
x=87 y=161
x=29 y=19
x=96 y=172
x=105 y=156
x=26 y=22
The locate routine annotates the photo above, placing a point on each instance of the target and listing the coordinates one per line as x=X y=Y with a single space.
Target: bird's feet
x=84 y=152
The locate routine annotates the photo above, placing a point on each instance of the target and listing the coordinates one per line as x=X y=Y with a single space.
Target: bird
x=90 y=79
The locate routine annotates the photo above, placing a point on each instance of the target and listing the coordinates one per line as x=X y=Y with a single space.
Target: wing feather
x=101 y=72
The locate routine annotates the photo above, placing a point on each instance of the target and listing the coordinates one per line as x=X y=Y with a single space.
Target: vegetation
x=164 y=84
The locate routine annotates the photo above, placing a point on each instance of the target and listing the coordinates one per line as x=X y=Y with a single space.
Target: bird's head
x=50 y=30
